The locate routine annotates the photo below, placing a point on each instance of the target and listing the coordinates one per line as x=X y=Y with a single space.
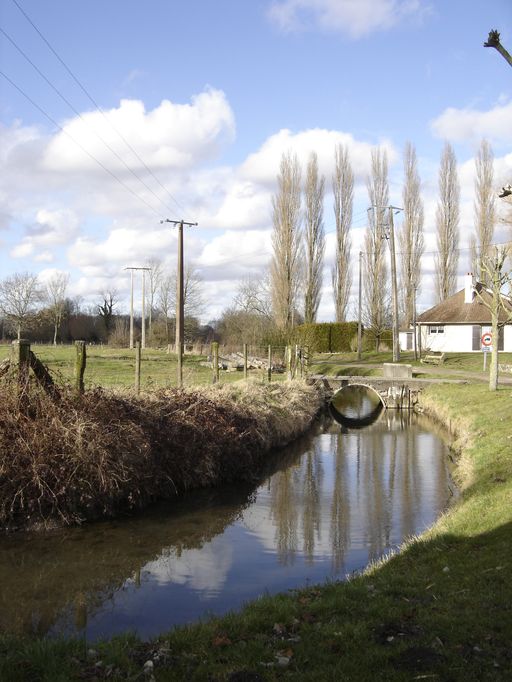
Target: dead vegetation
x=83 y=457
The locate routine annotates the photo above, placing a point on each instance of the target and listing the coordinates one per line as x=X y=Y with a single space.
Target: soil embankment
x=84 y=457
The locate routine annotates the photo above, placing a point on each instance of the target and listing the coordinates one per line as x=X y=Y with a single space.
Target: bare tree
x=193 y=295
x=19 y=295
x=493 y=40
x=410 y=236
x=55 y=296
x=315 y=238
x=285 y=267
x=343 y=191
x=253 y=296
x=447 y=221
x=485 y=207
x=106 y=310
x=499 y=306
x=376 y=287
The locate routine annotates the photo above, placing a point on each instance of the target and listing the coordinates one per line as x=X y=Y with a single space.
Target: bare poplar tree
x=155 y=273
x=55 y=296
x=315 y=238
x=166 y=300
x=447 y=221
x=376 y=286
x=285 y=266
x=485 y=208
x=410 y=237
x=343 y=191
x=19 y=295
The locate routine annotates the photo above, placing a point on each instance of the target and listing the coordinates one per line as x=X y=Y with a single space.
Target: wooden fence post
x=215 y=361
x=137 y=367
x=288 y=353
x=245 y=361
x=81 y=361
x=269 y=364
x=20 y=353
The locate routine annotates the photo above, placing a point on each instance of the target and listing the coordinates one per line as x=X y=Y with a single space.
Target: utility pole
x=360 y=308
x=143 y=336
x=396 y=346
x=389 y=234
x=180 y=307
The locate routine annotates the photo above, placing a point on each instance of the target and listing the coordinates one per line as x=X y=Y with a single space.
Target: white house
x=457 y=324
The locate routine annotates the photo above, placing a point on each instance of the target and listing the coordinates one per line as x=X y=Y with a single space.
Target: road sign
x=487 y=339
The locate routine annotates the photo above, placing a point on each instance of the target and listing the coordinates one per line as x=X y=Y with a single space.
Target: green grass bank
x=441 y=609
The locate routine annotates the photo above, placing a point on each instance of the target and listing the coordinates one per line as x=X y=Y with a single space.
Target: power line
x=95 y=104
x=52 y=120
x=70 y=105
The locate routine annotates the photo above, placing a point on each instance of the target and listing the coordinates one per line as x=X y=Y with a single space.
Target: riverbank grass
x=441 y=609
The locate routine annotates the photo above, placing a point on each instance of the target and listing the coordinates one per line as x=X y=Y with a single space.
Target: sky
x=117 y=115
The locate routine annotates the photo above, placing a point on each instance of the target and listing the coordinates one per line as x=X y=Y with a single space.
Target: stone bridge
x=395 y=392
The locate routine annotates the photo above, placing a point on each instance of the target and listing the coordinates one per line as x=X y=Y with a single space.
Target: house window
x=436 y=329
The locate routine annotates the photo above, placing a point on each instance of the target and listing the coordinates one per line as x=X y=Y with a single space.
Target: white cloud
x=470 y=125
x=51 y=228
x=170 y=136
x=263 y=166
x=354 y=18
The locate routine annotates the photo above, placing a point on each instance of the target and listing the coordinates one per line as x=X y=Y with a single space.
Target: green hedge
x=327 y=337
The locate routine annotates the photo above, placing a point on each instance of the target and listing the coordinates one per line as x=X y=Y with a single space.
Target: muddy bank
x=81 y=458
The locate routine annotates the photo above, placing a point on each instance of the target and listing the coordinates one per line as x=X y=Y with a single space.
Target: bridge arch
x=359 y=421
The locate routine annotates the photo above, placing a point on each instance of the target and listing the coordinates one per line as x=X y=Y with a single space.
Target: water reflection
x=335 y=501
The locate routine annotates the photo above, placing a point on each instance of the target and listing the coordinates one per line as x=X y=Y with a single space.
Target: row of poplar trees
x=296 y=270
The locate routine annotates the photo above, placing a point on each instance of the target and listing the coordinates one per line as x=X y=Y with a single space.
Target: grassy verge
x=82 y=457
x=439 y=610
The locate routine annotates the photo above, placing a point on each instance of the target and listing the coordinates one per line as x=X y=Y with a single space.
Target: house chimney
x=469 y=288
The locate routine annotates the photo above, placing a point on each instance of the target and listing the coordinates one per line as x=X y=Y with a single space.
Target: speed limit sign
x=487 y=339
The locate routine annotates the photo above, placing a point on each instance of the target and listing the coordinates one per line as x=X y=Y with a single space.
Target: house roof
x=453 y=310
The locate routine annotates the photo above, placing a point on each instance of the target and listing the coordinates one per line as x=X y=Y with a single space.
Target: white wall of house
x=456 y=338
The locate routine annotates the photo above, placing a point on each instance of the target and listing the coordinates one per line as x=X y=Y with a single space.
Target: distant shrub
x=327 y=337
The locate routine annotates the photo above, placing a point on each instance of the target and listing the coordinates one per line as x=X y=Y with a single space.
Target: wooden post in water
x=215 y=361
x=80 y=363
x=137 y=367
x=269 y=371
x=20 y=354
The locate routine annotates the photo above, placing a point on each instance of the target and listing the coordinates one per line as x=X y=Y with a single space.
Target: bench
x=505 y=368
x=431 y=359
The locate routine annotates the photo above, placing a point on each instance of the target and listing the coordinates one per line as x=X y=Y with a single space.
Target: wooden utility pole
x=180 y=303
x=396 y=347
x=143 y=334
x=360 y=309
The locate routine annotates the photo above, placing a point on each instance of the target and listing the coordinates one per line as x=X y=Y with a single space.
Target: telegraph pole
x=396 y=346
x=180 y=307
x=143 y=336
x=360 y=306
x=389 y=234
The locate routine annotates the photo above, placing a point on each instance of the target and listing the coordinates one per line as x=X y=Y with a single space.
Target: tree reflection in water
x=334 y=501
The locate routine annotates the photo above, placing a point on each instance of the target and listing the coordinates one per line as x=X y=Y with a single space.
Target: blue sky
x=210 y=94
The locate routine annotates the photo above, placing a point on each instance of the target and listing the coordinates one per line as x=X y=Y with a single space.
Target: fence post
x=269 y=364
x=137 y=367
x=215 y=361
x=80 y=363
x=20 y=353
x=289 y=362
x=245 y=361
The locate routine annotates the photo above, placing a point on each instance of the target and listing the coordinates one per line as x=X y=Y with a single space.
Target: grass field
x=115 y=367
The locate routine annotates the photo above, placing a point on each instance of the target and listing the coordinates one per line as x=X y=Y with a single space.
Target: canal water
x=332 y=502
